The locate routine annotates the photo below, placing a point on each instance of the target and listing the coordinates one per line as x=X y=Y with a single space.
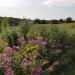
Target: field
x=37 y=49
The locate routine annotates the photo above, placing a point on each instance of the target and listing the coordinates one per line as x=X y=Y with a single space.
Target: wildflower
x=7 y=59
x=38 y=54
x=25 y=63
x=33 y=41
x=9 y=71
x=44 y=43
x=21 y=40
x=16 y=47
x=36 y=70
x=9 y=49
x=30 y=40
x=68 y=46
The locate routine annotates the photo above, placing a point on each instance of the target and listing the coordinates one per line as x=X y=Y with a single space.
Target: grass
x=55 y=34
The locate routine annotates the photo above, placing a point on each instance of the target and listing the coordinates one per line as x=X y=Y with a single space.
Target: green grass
x=38 y=30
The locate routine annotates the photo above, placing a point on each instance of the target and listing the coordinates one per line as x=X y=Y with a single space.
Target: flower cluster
x=30 y=55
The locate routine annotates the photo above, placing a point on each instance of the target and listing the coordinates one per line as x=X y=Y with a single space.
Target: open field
x=37 y=49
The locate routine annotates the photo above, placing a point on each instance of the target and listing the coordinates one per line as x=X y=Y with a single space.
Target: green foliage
x=1 y=72
x=10 y=37
x=4 y=24
x=24 y=27
x=57 y=37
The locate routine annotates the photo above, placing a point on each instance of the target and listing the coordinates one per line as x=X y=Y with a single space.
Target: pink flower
x=44 y=43
x=25 y=63
x=16 y=47
x=7 y=59
x=9 y=71
x=21 y=40
x=38 y=54
x=68 y=46
x=36 y=70
x=9 y=49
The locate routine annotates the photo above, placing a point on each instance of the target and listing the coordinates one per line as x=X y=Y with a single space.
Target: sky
x=43 y=9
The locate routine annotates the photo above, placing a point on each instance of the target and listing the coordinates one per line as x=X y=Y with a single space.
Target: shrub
x=10 y=37
x=24 y=27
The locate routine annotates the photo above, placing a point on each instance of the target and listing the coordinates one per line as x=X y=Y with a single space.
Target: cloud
x=37 y=8
x=58 y=2
x=12 y=3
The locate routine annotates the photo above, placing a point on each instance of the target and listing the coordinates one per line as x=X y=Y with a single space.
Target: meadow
x=37 y=49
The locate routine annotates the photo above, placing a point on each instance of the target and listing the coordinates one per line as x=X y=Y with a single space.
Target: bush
x=10 y=38
x=24 y=27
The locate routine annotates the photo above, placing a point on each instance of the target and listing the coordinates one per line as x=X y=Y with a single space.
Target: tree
x=69 y=20
x=54 y=21
x=37 y=21
x=61 y=21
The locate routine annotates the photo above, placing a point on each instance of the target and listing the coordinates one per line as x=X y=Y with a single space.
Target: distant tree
x=45 y=21
x=69 y=20
x=37 y=21
x=54 y=21
x=61 y=21
x=14 y=21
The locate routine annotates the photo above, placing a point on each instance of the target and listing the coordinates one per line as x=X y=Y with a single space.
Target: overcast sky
x=43 y=9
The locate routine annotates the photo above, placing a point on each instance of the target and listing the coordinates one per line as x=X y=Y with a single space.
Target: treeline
x=12 y=21
x=54 y=21
x=15 y=21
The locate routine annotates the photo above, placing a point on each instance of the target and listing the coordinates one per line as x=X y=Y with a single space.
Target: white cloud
x=58 y=2
x=37 y=8
x=12 y=3
x=9 y=3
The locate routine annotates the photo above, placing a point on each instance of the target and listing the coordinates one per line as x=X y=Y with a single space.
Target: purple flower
x=38 y=54
x=21 y=40
x=16 y=47
x=25 y=63
x=7 y=59
x=9 y=71
x=36 y=70
x=68 y=46
x=9 y=49
x=44 y=43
